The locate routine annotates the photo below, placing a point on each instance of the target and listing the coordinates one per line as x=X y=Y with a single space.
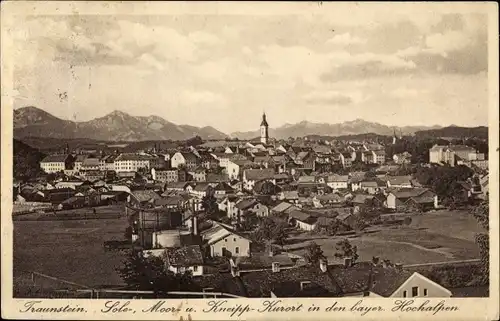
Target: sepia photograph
x=321 y=153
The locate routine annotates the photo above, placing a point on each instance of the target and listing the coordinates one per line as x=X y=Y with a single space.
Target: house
x=165 y=175
x=183 y=259
x=91 y=164
x=450 y=154
x=289 y=196
x=251 y=176
x=130 y=162
x=302 y=220
x=68 y=184
x=222 y=188
x=187 y=159
x=346 y=159
x=337 y=181
x=402 y=158
x=58 y=195
x=199 y=174
x=260 y=261
x=370 y=187
x=363 y=200
x=283 y=208
x=399 y=181
x=378 y=156
x=143 y=197
x=329 y=199
x=222 y=241
x=78 y=162
x=251 y=205
x=235 y=167
x=397 y=199
x=201 y=189
x=56 y=163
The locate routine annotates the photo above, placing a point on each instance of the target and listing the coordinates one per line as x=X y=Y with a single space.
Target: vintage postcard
x=249 y=161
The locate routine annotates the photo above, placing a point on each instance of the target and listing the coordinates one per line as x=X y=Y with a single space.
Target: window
x=237 y=250
x=425 y=292
x=195 y=268
x=404 y=294
x=414 y=291
x=225 y=240
x=234 y=239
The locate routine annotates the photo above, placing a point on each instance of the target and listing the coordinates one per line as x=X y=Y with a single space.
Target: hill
x=455 y=132
x=354 y=127
x=116 y=126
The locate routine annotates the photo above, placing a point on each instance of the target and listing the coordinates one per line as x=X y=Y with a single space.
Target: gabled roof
x=246 y=203
x=281 y=207
x=399 y=180
x=299 y=215
x=56 y=158
x=291 y=195
x=362 y=198
x=403 y=193
x=261 y=260
x=217 y=232
x=145 y=195
x=185 y=256
x=258 y=174
x=306 y=179
x=337 y=178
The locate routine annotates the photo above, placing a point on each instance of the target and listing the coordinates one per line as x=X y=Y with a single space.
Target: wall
x=198 y=272
x=230 y=243
x=416 y=280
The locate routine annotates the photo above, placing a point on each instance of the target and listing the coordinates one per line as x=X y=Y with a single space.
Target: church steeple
x=264 y=130
x=264 y=121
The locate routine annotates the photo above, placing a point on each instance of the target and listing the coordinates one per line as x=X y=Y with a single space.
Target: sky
x=417 y=67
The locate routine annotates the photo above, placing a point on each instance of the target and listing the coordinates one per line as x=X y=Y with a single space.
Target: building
x=337 y=181
x=399 y=200
x=399 y=181
x=186 y=159
x=183 y=259
x=251 y=176
x=378 y=156
x=403 y=158
x=165 y=175
x=346 y=159
x=451 y=154
x=221 y=241
x=264 y=130
x=56 y=163
x=129 y=162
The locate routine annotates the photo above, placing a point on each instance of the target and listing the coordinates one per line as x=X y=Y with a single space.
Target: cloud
x=192 y=97
x=345 y=39
x=328 y=98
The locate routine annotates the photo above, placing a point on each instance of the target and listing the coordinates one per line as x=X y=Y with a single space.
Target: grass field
x=70 y=250
x=433 y=237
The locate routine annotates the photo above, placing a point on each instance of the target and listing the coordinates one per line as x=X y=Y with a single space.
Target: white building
x=131 y=162
x=55 y=163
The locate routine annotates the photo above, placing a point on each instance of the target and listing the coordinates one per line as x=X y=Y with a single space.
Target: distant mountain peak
x=115 y=126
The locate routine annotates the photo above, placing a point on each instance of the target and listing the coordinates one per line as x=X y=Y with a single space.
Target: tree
x=149 y=274
x=209 y=203
x=314 y=253
x=346 y=250
x=481 y=213
x=272 y=229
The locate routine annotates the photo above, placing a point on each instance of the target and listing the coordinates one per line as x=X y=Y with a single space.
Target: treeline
x=26 y=161
x=455 y=131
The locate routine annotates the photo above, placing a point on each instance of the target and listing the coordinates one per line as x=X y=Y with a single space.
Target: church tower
x=264 y=130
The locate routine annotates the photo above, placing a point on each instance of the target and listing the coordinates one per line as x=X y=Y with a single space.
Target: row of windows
x=414 y=292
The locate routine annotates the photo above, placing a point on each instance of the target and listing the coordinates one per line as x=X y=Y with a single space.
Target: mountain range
x=116 y=126
x=120 y=126
x=355 y=127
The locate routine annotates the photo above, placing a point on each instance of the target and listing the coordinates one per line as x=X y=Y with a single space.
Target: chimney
x=275 y=267
x=323 y=265
x=399 y=266
x=347 y=262
x=235 y=271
